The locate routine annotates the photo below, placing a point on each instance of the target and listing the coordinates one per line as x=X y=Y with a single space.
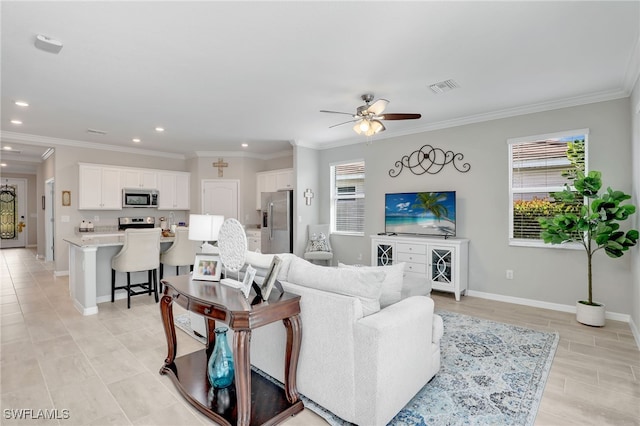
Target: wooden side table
x=252 y=399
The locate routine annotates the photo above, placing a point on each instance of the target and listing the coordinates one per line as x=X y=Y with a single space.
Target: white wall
x=544 y=274
x=635 y=252
x=306 y=170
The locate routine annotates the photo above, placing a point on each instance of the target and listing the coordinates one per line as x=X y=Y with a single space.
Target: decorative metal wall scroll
x=430 y=160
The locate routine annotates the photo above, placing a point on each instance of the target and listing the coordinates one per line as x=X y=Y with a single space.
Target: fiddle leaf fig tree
x=596 y=227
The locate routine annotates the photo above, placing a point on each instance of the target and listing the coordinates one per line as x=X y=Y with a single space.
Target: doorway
x=220 y=196
x=13 y=206
x=49 y=223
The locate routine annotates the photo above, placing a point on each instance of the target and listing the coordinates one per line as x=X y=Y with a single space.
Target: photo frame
x=207 y=267
x=247 y=282
x=66 y=198
x=270 y=278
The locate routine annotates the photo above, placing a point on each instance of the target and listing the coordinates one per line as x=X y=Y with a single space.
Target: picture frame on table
x=270 y=278
x=247 y=282
x=207 y=267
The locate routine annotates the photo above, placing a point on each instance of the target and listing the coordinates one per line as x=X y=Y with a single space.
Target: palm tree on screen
x=432 y=202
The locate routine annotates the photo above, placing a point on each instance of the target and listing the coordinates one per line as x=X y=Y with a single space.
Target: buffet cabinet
x=443 y=262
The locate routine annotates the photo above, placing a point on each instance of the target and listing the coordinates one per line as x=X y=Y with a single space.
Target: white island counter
x=90 y=269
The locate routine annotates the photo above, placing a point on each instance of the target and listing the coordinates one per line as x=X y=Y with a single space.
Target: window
x=347 y=198
x=538 y=167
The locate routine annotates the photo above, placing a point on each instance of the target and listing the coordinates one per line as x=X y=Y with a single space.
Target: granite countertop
x=103 y=240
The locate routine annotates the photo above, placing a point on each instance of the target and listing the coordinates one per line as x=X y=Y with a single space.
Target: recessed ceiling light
x=244 y=145
x=7 y=148
x=22 y=103
x=136 y=140
x=159 y=129
x=16 y=121
x=3 y=164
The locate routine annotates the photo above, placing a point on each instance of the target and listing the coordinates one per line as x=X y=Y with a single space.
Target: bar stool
x=140 y=252
x=181 y=253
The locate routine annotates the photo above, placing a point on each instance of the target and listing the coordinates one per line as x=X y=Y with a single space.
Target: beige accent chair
x=181 y=253
x=318 y=249
x=140 y=252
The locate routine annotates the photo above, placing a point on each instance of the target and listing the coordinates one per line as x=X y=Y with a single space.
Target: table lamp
x=205 y=228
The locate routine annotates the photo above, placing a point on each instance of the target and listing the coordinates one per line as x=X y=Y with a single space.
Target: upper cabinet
x=138 y=178
x=99 y=188
x=272 y=181
x=173 y=190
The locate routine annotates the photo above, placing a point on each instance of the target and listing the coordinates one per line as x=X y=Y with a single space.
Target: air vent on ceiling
x=96 y=132
x=443 y=86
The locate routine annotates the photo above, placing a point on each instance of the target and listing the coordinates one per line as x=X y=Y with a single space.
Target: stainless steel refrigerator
x=277 y=222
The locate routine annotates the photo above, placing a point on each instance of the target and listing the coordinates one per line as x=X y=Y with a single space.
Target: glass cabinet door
x=384 y=256
x=441 y=262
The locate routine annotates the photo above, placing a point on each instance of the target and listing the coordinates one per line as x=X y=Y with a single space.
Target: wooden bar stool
x=140 y=252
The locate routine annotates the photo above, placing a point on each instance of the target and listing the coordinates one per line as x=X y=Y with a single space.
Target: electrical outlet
x=96 y=218
x=509 y=274
x=359 y=256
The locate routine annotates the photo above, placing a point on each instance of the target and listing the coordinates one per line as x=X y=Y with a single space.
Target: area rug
x=491 y=374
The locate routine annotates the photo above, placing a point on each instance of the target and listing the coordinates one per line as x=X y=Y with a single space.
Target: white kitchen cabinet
x=139 y=178
x=254 y=239
x=443 y=262
x=271 y=181
x=99 y=188
x=173 y=191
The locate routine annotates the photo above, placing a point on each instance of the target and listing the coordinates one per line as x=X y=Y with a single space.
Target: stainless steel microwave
x=136 y=197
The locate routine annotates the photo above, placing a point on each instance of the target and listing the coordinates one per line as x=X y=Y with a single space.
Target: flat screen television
x=421 y=213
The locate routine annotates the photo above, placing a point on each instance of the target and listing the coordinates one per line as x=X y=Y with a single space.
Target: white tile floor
x=104 y=368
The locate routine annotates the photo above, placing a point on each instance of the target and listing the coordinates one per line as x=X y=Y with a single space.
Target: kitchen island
x=90 y=269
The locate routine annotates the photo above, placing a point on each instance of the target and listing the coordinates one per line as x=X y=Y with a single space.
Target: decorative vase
x=220 y=367
x=590 y=314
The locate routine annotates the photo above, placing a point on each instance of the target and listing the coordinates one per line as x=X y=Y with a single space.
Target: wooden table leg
x=241 y=339
x=166 y=310
x=293 y=326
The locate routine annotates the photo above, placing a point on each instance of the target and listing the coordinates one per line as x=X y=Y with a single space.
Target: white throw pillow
x=392 y=284
x=365 y=285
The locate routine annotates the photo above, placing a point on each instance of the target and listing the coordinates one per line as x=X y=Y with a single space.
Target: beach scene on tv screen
x=429 y=213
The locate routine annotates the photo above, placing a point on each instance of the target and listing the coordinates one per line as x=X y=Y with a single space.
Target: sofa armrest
x=393 y=352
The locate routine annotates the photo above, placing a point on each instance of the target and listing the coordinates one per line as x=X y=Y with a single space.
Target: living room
x=541 y=277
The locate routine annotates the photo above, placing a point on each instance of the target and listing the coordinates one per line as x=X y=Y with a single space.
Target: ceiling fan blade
x=340 y=124
x=378 y=106
x=336 y=112
x=399 y=116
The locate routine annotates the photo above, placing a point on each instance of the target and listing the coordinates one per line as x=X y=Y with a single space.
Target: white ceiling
x=217 y=74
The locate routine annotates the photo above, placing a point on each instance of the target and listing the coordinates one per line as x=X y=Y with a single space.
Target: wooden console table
x=252 y=399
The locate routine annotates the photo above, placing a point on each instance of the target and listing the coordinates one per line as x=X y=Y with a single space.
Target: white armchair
x=319 y=245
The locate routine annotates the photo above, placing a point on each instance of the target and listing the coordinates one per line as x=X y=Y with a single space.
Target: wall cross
x=220 y=164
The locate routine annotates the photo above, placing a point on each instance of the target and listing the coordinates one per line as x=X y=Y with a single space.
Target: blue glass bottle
x=220 y=368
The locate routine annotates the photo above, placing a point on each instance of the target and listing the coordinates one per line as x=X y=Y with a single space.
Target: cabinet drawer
x=418 y=268
x=411 y=257
x=411 y=248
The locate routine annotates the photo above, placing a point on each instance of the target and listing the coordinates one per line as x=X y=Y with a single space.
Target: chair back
x=140 y=252
x=182 y=251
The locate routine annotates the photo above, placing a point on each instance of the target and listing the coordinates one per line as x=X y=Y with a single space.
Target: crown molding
x=54 y=142
x=479 y=118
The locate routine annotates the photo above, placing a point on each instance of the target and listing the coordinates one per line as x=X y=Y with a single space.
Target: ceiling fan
x=368 y=117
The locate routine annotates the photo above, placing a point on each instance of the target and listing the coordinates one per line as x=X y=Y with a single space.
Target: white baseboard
x=635 y=331
x=119 y=295
x=85 y=311
x=60 y=273
x=545 y=305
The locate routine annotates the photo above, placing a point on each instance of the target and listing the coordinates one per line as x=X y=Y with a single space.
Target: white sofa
x=361 y=364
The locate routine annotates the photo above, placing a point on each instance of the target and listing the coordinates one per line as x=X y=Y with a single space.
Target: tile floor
x=103 y=368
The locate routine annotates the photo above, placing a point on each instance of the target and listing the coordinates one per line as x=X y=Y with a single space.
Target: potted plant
x=596 y=227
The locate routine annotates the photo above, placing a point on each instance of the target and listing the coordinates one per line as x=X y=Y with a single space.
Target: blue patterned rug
x=491 y=374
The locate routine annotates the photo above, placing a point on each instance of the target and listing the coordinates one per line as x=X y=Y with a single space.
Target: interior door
x=220 y=196
x=13 y=206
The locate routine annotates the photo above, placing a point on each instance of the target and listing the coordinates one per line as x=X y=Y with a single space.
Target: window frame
x=519 y=242
x=334 y=197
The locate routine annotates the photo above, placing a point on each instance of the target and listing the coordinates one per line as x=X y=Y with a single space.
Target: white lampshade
x=204 y=227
